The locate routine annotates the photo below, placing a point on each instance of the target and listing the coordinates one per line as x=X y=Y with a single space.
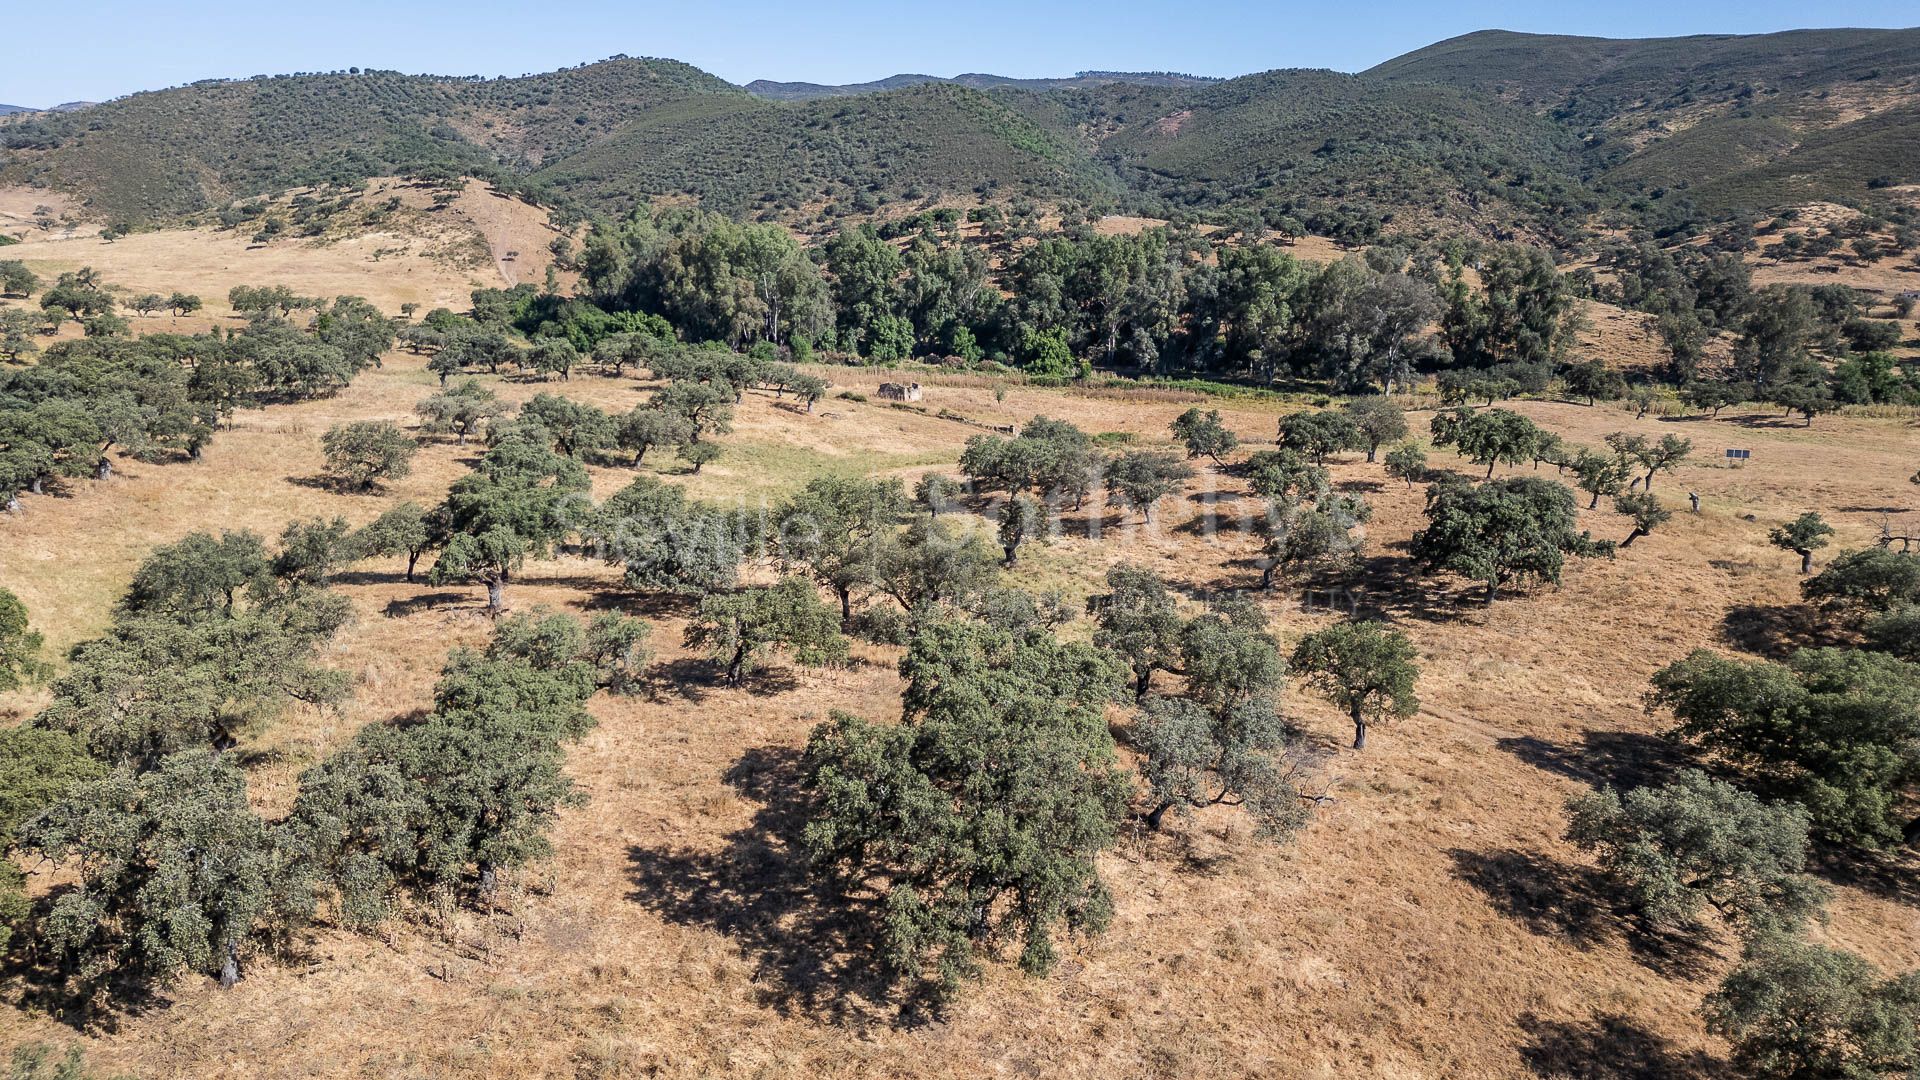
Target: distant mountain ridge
x=71 y=106
x=1497 y=133
x=808 y=91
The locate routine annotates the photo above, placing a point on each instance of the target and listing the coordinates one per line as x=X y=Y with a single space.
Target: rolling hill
x=1738 y=122
x=1495 y=132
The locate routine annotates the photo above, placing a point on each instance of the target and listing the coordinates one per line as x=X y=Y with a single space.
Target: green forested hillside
x=1735 y=122
x=739 y=153
x=1592 y=79
x=808 y=91
x=180 y=150
x=1317 y=139
x=1494 y=131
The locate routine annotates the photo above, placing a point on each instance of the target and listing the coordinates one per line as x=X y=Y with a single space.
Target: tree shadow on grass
x=1622 y=759
x=1893 y=874
x=1397 y=589
x=1774 y=631
x=1556 y=899
x=1546 y=896
x=1607 y=1047
x=376 y=577
x=694 y=677
x=808 y=947
x=400 y=608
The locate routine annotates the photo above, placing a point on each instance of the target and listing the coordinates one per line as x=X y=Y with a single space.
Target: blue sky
x=106 y=48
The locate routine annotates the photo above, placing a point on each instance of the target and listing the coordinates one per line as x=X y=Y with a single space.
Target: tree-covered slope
x=1735 y=122
x=808 y=91
x=1591 y=79
x=179 y=150
x=1493 y=131
x=752 y=154
x=1322 y=138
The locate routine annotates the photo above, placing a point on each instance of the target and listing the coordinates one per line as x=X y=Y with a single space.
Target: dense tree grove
x=160 y=397
x=1164 y=301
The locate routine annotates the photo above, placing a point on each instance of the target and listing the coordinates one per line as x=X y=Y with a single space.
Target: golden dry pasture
x=1430 y=923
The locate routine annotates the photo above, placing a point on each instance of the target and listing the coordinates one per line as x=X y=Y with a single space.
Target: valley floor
x=1431 y=922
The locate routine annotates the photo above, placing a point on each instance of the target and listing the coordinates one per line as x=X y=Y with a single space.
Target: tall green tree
x=176 y=874
x=1698 y=842
x=519 y=500
x=362 y=453
x=1800 y=1011
x=1803 y=536
x=980 y=815
x=1138 y=621
x=1364 y=668
x=739 y=628
x=1519 y=528
x=836 y=529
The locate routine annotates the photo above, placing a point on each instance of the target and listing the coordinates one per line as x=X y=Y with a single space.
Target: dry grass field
x=433 y=258
x=1430 y=922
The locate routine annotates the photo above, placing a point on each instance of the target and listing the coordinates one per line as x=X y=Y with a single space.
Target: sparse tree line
x=163 y=396
x=78 y=296
x=1819 y=752
x=1804 y=349
x=127 y=784
x=137 y=777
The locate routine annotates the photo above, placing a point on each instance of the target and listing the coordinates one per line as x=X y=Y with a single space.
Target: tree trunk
x=735 y=665
x=1143 y=684
x=496 y=595
x=489 y=879
x=1153 y=819
x=1806 y=562
x=1636 y=534
x=846 y=606
x=1490 y=466
x=1595 y=504
x=1359 y=729
x=230 y=967
x=1010 y=549
x=413 y=557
